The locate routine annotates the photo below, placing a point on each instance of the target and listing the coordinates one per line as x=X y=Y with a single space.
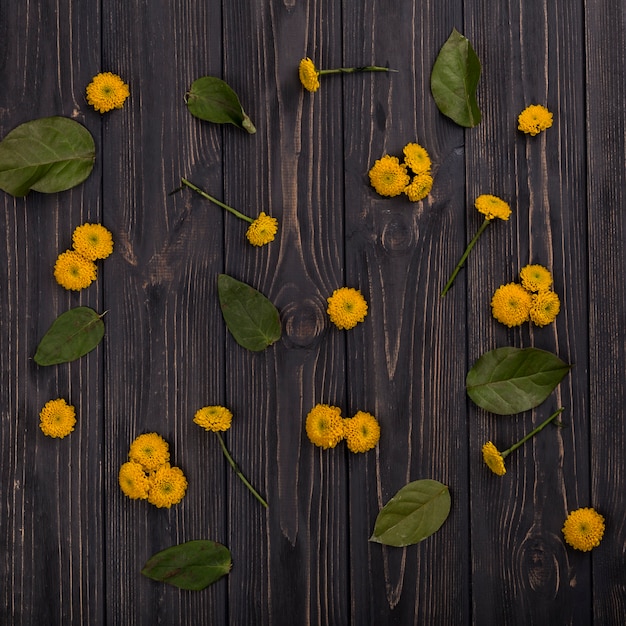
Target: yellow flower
x=262 y=230
x=361 y=432
x=167 y=486
x=544 y=308
x=510 y=304
x=536 y=278
x=57 y=418
x=417 y=158
x=213 y=418
x=93 y=241
x=150 y=450
x=73 y=271
x=133 y=481
x=493 y=459
x=534 y=119
x=419 y=187
x=583 y=529
x=107 y=91
x=492 y=207
x=346 y=307
x=324 y=425
x=309 y=76
x=388 y=176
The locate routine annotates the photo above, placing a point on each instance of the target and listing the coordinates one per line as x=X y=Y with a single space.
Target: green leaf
x=454 y=79
x=192 y=565
x=417 y=511
x=47 y=155
x=512 y=380
x=251 y=318
x=211 y=99
x=72 y=335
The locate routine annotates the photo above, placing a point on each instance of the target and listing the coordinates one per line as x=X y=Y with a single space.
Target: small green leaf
x=72 y=335
x=454 y=79
x=512 y=380
x=192 y=565
x=417 y=511
x=251 y=318
x=47 y=155
x=211 y=99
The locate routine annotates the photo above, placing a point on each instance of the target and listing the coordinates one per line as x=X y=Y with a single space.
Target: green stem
x=532 y=433
x=255 y=493
x=462 y=260
x=351 y=70
x=204 y=194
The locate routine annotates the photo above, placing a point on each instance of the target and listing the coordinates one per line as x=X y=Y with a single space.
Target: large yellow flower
x=388 y=176
x=544 y=308
x=346 y=307
x=536 y=278
x=419 y=187
x=93 y=241
x=57 y=418
x=361 y=432
x=494 y=459
x=167 y=486
x=510 y=304
x=262 y=230
x=213 y=418
x=133 y=481
x=309 y=76
x=107 y=91
x=417 y=158
x=492 y=207
x=73 y=271
x=150 y=450
x=583 y=529
x=533 y=119
x=324 y=425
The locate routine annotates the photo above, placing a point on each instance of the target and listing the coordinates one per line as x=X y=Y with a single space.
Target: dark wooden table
x=73 y=546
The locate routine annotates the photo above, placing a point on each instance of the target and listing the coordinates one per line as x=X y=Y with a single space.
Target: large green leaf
x=512 y=380
x=454 y=79
x=414 y=513
x=251 y=318
x=47 y=155
x=73 y=334
x=192 y=565
x=211 y=99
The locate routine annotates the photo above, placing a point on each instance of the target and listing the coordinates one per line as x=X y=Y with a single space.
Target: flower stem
x=204 y=194
x=462 y=260
x=254 y=492
x=532 y=433
x=351 y=70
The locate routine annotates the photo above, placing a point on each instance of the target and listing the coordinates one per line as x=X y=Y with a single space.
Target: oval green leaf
x=72 y=335
x=47 y=155
x=512 y=380
x=211 y=99
x=251 y=318
x=454 y=79
x=193 y=565
x=417 y=511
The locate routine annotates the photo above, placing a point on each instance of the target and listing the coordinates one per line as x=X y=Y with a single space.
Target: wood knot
x=398 y=235
x=540 y=566
x=303 y=322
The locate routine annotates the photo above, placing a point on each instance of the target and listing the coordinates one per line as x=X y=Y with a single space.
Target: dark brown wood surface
x=73 y=545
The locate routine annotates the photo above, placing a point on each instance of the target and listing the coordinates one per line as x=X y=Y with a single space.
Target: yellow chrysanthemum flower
x=346 y=307
x=107 y=91
x=133 y=480
x=583 y=529
x=309 y=76
x=73 y=271
x=361 y=432
x=419 y=187
x=93 y=241
x=150 y=450
x=510 y=304
x=324 y=425
x=57 y=418
x=536 y=278
x=416 y=157
x=388 y=176
x=167 y=486
x=533 y=119
x=262 y=230
x=544 y=308
x=492 y=207
x=493 y=459
x=213 y=418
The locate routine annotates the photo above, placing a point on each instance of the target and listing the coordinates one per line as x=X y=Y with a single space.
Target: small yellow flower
x=133 y=481
x=73 y=271
x=262 y=230
x=93 y=241
x=510 y=304
x=167 y=486
x=492 y=207
x=150 y=450
x=57 y=418
x=213 y=418
x=309 y=76
x=324 y=425
x=346 y=307
x=534 y=119
x=536 y=278
x=107 y=91
x=583 y=529
x=361 y=432
x=388 y=176
x=419 y=187
x=544 y=308
x=493 y=459
x=417 y=158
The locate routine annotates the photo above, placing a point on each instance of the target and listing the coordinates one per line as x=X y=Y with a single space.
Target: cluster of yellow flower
x=107 y=91
x=513 y=304
x=148 y=474
x=326 y=428
x=76 y=269
x=57 y=418
x=390 y=178
x=346 y=307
